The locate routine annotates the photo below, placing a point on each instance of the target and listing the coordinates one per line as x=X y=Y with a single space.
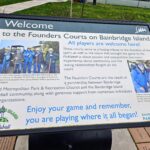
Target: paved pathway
x=7 y=9
x=122 y=140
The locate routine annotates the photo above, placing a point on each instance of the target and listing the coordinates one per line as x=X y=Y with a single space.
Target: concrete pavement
x=7 y=9
x=22 y=143
x=122 y=140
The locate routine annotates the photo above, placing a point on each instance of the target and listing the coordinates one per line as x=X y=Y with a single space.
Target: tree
x=94 y=2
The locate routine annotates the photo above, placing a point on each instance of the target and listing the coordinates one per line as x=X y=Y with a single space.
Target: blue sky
x=25 y=43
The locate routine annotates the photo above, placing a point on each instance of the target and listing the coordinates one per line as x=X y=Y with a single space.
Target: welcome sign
x=27 y=25
x=63 y=74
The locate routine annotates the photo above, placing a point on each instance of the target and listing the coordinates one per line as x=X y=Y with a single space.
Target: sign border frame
x=77 y=127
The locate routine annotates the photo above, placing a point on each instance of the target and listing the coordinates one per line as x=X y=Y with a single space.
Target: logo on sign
x=140 y=29
x=4 y=121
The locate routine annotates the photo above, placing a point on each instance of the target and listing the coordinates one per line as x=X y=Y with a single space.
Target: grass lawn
x=7 y=2
x=100 y=11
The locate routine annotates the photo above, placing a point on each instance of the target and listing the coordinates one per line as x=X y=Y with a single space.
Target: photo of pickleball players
x=19 y=56
x=140 y=74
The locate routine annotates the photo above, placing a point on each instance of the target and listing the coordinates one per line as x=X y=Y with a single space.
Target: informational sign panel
x=57 y=74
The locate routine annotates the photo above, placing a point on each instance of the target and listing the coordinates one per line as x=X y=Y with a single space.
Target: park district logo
x=140 y=29
x=4 y=115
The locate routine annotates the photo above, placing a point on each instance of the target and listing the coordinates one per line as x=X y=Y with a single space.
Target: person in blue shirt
x=28 y=60
x=38 y=60
x=6 y=61
x=140 y=78
x=148 y=70
x=2 y=52
x=25 y=58
x=31 y=55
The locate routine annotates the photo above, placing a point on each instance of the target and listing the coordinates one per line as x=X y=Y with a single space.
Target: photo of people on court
x=18 y=56
x=140 y=73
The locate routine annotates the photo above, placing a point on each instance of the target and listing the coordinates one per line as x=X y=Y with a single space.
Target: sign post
x=75 y=140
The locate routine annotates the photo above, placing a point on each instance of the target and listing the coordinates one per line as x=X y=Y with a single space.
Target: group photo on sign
x=18 y=57
x=140 y=74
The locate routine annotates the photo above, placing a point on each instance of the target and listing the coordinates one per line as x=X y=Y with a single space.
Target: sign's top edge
x=63 y=19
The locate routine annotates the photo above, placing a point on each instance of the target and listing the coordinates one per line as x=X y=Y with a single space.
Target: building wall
x=133 y=3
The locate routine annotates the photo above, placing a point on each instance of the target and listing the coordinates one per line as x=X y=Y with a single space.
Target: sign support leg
x=73 y=140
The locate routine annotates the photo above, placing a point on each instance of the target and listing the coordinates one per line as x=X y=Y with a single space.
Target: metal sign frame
x=73 y=128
